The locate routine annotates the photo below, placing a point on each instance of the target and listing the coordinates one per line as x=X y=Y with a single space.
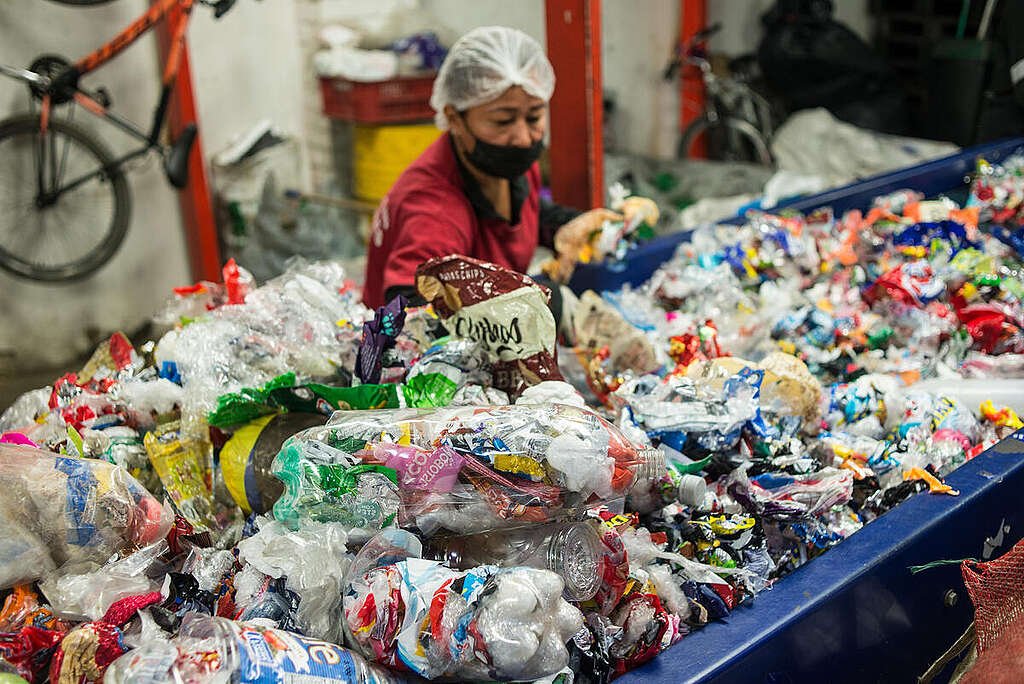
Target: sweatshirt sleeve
x=428 y=226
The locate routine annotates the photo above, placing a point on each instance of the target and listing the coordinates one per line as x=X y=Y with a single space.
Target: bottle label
x=273 y=656
x=432 y=471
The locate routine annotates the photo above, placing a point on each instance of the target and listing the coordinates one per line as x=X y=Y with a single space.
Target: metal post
x=577 y=120
x=196 y=200
x=693 y=16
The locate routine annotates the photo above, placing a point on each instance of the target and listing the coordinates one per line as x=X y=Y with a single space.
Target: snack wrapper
x=505 y=312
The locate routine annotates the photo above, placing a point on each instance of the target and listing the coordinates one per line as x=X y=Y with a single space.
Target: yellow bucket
x=381 y=153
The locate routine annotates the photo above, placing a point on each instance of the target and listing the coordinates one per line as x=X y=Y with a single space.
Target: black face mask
x=503 y=161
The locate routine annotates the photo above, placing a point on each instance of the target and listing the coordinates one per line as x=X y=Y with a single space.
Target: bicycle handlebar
x=706 y=32
x=690 y=52
x=220 y=7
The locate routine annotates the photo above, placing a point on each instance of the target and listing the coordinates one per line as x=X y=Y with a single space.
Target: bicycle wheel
x=728 y=139
x=81 y=3
x=70 y=234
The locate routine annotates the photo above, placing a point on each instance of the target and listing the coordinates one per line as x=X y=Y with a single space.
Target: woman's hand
x=640 y=209
x=571 y=238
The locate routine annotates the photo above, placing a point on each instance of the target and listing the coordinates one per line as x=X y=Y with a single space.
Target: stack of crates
x=391 y=123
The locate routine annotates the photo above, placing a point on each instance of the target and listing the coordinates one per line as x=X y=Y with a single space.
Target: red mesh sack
x=1003 y=659
x=997 y=590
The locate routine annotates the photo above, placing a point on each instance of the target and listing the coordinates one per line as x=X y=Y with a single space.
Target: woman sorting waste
x=476 y=191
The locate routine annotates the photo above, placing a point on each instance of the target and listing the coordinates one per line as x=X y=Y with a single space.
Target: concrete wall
x=637 y=41
x=249 y=66
x=48 y=324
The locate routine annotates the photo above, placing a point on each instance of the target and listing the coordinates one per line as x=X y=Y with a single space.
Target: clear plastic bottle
x=462 y=470
x=573 y=550
x=212 y=650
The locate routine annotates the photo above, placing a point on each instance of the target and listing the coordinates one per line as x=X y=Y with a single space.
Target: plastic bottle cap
x=691 y=490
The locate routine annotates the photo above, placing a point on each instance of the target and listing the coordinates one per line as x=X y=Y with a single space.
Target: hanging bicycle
x=736 y=124
x=65 y=204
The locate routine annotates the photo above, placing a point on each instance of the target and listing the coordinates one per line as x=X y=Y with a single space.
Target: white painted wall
x=460 y=16
x=49 y=324
x=637 y=41
x=248 y=66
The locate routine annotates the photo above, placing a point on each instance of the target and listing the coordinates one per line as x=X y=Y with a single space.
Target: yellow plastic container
x=381 y=153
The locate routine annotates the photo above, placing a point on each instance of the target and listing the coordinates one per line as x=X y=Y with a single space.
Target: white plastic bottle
x=212 y=650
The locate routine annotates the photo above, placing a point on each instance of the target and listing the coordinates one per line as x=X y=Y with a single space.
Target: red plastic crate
x=395 y=101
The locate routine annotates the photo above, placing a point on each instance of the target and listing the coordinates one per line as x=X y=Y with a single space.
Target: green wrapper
x=248 y=404
x=429 y=390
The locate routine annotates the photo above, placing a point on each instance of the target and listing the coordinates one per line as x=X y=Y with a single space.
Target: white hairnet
x=485 y=63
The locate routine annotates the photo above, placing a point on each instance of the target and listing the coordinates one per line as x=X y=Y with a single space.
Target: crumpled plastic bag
x=297 y=322
x=60 y=509
x=85 y=591
x=313 y=560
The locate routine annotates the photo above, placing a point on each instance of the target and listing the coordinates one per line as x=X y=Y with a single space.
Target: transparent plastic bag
x=313 y=561
x=65 y=509
x=462 y=469
x=298 y=322
x=680 y=404
x=573 y=550
x=84 y=591
x=25 y=409
x=506 y=624
x=213 y=650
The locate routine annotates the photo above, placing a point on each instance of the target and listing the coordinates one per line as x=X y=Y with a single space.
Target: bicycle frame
x=181 y=11
x=734 y=97
x=129 y=35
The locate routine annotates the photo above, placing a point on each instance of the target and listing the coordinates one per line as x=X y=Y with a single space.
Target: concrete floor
x=15 y=382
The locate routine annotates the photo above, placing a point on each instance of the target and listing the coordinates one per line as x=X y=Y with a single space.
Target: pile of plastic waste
x=288 y=485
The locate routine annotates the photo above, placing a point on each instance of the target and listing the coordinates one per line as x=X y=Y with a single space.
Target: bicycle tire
x=759 y=153
x=113 y=233
x=81 y=3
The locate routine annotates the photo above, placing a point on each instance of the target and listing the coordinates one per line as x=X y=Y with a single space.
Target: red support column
x=693 y=16
x=195 y=198
x=577 y=115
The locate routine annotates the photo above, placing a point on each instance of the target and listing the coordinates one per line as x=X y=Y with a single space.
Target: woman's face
x=515 y=119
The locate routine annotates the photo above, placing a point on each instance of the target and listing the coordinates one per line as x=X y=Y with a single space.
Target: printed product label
x=511 y=326
x=273 y=656
x=433 y=471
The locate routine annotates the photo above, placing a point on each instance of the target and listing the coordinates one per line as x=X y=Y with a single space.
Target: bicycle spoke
x=22 y=223
x=63 y=163
x=64 y=237
x=61 y=239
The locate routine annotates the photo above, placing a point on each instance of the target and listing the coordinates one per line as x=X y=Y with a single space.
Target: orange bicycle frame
x=179 y=12
x=134 y=31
